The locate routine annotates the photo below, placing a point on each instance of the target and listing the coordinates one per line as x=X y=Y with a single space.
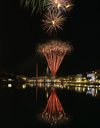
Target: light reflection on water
x=87 y=89
x=93 y=90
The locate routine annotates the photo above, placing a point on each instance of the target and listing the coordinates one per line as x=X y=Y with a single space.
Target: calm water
x=19 y=108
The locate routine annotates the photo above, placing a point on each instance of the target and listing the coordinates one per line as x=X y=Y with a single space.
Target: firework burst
x=52 y=21
x=35 y=4
x=61 y=5
x=56 y=4
x=54 y=52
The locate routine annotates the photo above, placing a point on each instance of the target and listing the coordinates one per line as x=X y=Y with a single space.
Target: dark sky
x=20 y=33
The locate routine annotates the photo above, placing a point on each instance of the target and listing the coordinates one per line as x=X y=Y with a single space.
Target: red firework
x=53 y=110
x=54 y=52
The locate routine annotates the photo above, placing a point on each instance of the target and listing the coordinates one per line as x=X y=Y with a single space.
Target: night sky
x=20 y=32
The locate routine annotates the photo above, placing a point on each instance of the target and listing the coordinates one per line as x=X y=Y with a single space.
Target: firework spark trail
x=55 y=61
x=54 y=52
x=35 y=4
x=52 y=21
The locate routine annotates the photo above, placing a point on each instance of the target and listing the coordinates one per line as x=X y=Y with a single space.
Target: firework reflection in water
x=54 y=112
x=54 y=52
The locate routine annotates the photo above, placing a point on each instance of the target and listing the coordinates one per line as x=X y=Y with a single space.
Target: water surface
x=19 y=108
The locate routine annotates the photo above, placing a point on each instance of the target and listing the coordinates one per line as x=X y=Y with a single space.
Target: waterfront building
x=91 y=77
x=97 y=75
x=22 y=77
x=5 y=76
